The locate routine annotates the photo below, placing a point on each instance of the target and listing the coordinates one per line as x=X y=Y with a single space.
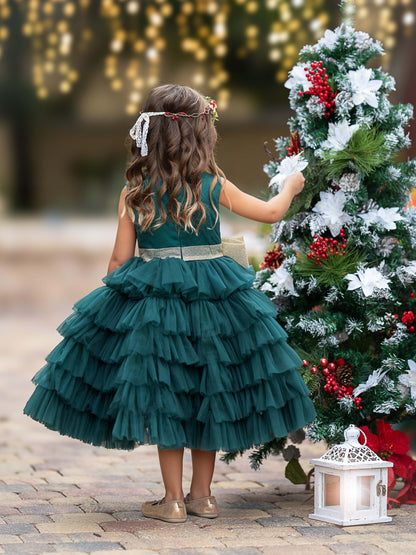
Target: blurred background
x=73 y=76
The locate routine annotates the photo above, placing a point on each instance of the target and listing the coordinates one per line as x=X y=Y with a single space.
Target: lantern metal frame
x=358 y=478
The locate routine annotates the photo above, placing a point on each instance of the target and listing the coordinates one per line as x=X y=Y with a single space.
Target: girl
x=177 y=349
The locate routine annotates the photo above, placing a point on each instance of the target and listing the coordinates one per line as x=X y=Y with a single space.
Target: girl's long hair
x=179 y=150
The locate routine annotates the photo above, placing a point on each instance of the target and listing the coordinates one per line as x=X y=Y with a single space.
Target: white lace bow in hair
x=140 y=129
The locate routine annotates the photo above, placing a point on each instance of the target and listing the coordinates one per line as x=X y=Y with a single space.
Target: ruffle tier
x=173 y=353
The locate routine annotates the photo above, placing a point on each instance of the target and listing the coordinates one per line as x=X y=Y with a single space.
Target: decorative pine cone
x=344 y=374
x=369 y=206
x=273 y=258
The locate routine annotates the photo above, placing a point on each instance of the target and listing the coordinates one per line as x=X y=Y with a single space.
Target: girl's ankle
x=198 y=494
x=173 y=497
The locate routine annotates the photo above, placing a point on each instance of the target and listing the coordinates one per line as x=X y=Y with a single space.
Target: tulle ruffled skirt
x=173 y=353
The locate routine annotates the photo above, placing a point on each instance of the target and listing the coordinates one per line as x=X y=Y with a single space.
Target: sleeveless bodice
x=172 y=235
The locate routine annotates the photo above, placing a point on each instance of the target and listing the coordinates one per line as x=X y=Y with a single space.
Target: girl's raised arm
x=125 y=239
x=270 y=211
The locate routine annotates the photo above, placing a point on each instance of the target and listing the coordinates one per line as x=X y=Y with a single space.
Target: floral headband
x=140 y=129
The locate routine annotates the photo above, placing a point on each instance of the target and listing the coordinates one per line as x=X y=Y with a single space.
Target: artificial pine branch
x=333 y=268
x=366 y=151
x=315 y=183
x=273 y=447
x=231 y=456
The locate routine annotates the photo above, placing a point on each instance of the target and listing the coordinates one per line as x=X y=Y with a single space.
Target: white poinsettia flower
x=363 y=87
x=368 y=279
x=283 y=279
x=373 y=379
x=369 y=217
x=388 y=216
x=409 y=378
x=297 y=76
x=339 y=135
x=384 y=216
x=411 y=268
x=330 y=38
x=288 y=166
x=330 y=208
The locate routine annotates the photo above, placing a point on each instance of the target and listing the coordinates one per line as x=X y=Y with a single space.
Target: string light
x=138 y=37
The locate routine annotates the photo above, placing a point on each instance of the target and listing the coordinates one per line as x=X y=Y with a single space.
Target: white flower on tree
x=330 y=38
x=383 y=216
x=330 y=208
x=368 y=279
x=297 y=76
x=409 y=378
x=280 y=280
x=363 y=87
x=373 y=380
x=288 y=166
x=339 y=135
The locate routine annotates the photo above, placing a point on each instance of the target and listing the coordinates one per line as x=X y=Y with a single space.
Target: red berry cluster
x=273 y=258
x=319 y=86
x=324 y=246
x=332 y=385
x=409 y=318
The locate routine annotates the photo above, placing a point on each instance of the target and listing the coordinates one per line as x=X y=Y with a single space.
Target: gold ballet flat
x=205 y=507
x=169 y=511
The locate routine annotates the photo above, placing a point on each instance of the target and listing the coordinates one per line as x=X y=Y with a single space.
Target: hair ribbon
x=140 y=130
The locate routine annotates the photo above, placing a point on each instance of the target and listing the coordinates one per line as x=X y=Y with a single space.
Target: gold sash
x=233 y=247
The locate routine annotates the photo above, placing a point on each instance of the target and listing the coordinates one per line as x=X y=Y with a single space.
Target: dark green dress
x=173 y=352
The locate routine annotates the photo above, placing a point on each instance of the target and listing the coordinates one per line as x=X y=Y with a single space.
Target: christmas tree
x=343 y=271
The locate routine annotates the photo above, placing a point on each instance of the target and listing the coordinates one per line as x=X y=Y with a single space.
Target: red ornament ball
x=305 y=362
x=325 y=371
x=323 y=362
x=332 y=366
x=412 y=294
x=314 y=370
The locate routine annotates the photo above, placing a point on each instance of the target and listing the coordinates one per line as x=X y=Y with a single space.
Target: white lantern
x=351 y=483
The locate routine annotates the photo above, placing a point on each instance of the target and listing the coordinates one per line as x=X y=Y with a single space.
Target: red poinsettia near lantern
x=393 y=445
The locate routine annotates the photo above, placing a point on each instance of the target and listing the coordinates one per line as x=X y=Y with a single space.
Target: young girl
x=177 y=349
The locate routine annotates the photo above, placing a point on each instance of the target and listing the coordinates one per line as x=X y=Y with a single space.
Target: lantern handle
x=352 y=433
x=365 y=437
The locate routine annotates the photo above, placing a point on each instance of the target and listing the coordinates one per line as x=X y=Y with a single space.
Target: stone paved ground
x=58 y=495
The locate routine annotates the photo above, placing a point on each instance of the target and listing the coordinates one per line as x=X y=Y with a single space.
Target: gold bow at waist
x=233 y=247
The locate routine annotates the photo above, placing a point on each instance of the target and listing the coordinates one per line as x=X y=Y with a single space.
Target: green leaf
x=295 y=473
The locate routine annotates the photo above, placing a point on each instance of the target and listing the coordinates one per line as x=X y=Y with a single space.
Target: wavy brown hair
x=179 y=150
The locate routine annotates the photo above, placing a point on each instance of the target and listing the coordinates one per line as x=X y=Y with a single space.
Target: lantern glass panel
x=365 y=485
x=331 y=490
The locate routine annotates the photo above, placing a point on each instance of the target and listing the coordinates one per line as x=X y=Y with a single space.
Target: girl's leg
x=171 y=466
x=203 y=463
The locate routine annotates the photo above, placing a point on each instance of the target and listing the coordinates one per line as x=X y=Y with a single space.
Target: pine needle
x=366 y=151
x=333 y=268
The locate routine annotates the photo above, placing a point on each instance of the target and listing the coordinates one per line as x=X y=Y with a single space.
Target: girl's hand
x=295 y=181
